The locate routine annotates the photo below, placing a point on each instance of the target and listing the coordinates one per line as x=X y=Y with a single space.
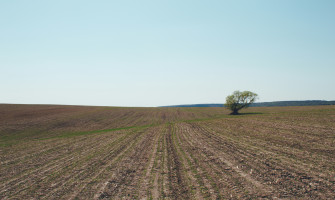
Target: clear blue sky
x=155 y=53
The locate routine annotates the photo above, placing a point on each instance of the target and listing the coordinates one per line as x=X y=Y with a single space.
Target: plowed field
x=76 y=152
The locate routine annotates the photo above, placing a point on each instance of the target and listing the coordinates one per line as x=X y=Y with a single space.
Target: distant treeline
x=266 y=104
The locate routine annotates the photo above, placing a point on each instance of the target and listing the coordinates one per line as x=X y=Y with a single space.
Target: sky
x=165 y=52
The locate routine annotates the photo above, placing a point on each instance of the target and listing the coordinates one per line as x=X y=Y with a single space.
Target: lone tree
x=239 y=100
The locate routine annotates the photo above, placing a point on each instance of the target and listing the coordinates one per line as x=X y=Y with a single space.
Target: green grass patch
x=80 y=133
x=9 y=140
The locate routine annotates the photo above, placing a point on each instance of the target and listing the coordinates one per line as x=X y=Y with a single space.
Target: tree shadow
x=249 y=113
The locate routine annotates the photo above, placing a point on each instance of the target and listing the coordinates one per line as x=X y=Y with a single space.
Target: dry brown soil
x=76 y=152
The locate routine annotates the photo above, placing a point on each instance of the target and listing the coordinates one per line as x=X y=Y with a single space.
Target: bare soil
x=76 y=152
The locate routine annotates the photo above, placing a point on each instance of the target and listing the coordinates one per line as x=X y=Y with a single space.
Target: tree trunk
x=235 y=112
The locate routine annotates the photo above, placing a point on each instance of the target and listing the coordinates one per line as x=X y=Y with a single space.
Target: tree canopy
x=239 y=100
